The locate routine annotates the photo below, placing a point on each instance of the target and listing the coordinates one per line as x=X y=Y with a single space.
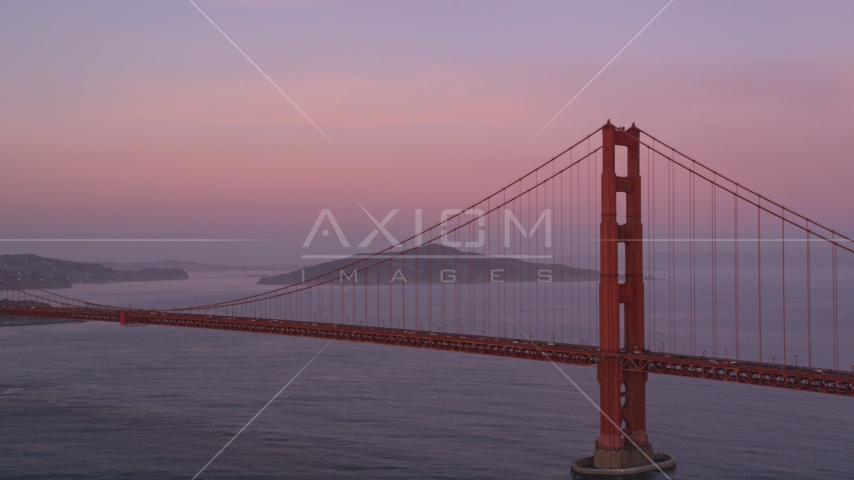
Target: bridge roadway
x=753 y=373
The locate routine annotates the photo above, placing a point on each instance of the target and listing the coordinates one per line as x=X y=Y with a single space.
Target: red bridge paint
x=805 y=379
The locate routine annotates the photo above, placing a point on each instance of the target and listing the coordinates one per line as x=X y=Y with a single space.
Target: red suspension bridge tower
x=623 y=445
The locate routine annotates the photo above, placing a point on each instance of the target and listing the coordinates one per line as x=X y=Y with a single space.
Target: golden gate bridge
x=686 y=273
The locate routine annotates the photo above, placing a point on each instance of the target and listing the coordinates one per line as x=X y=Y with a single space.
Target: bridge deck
x=753 y=373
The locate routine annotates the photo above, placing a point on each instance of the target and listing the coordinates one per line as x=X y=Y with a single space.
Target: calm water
x=90 y=400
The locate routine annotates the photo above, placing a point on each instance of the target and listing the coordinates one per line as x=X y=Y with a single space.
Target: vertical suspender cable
x=487 y=294
x=575 y=247
x=835 y=308
x=458 y=287
x=442 y=284
x=783 y=241
x=654 y=246
x=562 y=259
x=735 y=256
x=429 y=282
x=809 y=298
x=714 y=268
x=670 y=298
x=647 y=291
x=379 y=300
x=476 y=329
x=759 y=268
x=554 y=267
x=472 y=293
x=694 y=255
x=672 y=274
x=516 y=288
x=591 y=198
x=597 y=213
x=365 y=263
x=418 y=255
x=528 y=280
x=402 y=287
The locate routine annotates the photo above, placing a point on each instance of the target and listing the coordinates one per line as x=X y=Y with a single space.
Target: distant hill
x=186 y=266
x=426 y=263
x=45 y=272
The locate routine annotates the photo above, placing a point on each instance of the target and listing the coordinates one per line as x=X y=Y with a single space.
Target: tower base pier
x=622 y=463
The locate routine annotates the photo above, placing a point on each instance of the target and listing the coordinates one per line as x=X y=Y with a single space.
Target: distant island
x=436 y=264
x=186 y=266
x=45 y=272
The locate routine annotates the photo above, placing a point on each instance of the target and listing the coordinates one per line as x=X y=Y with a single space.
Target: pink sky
x=126 y=120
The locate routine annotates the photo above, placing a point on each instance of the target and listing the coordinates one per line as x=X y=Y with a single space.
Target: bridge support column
x=622 y=395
